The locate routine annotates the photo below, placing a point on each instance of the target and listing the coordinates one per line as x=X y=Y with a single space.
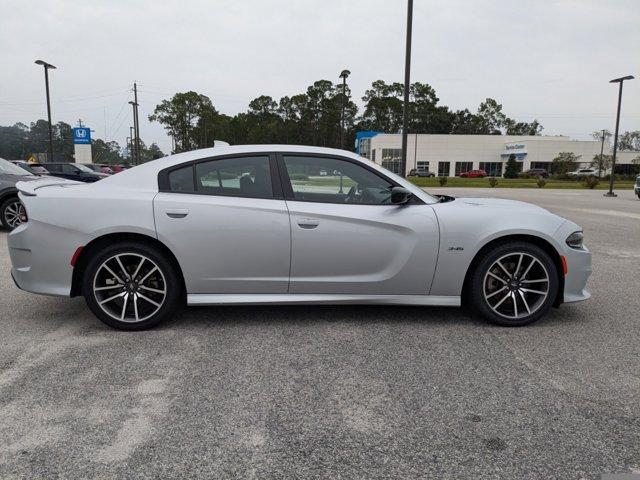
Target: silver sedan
x=277 y=224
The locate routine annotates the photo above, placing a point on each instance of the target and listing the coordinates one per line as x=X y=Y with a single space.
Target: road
x=335 y=392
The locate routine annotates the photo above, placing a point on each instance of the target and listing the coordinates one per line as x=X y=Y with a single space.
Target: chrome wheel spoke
x=524 y=300
x=491 y=295
x=533 y=261
x=155 y=290
x=124 y=270
x=539 y=280
x=497 y=278
x=112 y=298
x=148 y=300
x=501 y=301
x=147 y=275
x=124 y=306
x=515 y=274
x=135 y=274
x=108 y=287
x=515 y=304
x=135 y=306
x=499 y=263
x=115 y=275
x=537 y=292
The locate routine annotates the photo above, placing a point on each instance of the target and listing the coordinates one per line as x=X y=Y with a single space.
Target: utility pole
x=615 y=138
x=343 y=75
x=407 y=78
x=48 y=66
x=601 y=153
x=131 y=144
x=136 y=123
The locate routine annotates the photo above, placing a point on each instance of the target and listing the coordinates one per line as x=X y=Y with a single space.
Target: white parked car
x=246 y=225
x=585 y=172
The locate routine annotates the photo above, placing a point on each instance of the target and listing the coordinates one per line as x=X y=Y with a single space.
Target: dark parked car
x=74 y=171
x=419 y=172
x=12 y=211
x=98 y=167
x=32 y=168
x=535 y=173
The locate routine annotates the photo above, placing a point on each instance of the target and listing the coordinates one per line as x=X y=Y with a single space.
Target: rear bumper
x=40 y=259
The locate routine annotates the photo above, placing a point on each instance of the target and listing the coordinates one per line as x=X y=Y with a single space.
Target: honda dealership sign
x=82 y=136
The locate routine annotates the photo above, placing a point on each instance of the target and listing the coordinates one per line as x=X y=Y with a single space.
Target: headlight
x=575 y=240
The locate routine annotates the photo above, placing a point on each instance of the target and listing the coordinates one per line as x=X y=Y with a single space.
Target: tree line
x=314 y=117
x=20 y=141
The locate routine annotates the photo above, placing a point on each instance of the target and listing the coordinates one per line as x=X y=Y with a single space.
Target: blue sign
x=82 y=135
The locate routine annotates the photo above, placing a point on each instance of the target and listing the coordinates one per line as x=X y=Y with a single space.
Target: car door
x=225 y=220
x=347 y=238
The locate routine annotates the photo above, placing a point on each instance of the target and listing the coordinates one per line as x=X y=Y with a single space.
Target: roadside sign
x=82 y=135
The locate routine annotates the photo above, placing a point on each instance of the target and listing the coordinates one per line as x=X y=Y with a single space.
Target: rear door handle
x=177 y=212
x=308 y=223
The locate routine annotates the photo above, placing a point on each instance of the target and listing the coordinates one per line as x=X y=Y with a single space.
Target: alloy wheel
x=516 y=285
x=14 y=214
x=129 y=287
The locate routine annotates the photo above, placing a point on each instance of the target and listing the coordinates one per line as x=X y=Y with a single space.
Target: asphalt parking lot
x=335 y=392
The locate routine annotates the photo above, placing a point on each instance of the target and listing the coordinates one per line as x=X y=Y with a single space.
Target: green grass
x=514 y=183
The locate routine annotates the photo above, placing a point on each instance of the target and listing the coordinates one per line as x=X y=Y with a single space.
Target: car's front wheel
x=12 y=213
x=514 y=284
x=131 y=286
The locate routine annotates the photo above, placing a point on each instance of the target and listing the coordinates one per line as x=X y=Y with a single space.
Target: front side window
x=329 y=180
x=236 y=177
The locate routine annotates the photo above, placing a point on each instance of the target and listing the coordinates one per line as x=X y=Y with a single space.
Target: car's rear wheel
x=12 y=213
x=515 y=284
x=131 y=286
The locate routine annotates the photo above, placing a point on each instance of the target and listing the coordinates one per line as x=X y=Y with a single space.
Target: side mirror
x=400 y=195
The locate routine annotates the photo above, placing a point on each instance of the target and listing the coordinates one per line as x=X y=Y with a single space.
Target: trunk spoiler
x=29 y=188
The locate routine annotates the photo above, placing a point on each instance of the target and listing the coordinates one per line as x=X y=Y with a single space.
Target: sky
x=544 y=59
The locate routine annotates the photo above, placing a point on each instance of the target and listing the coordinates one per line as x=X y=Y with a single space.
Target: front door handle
x=177 y=212
x=308 y=223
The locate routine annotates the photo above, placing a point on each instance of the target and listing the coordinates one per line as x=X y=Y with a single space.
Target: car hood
x=501 y=203
x=18 y=178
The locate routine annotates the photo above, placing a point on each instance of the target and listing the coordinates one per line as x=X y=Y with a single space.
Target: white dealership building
x=448 y=155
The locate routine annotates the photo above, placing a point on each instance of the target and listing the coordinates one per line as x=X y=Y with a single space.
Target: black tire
x=480 y=275
x=168 y=278
x=7 y=216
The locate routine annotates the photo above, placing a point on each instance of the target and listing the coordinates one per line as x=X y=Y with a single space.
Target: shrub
x=298 y=176
x=591 y=182
x=443 y=181
x=493 y=181
x=511 y=169
x=541 y=182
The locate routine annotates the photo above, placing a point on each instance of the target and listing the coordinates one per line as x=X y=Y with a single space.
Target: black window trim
x=288 y=189
x=276 y=187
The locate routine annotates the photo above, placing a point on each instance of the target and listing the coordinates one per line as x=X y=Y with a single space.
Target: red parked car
x=473 y=174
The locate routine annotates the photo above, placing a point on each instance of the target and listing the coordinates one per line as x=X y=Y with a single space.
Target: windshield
x=9 y=168
x=84 y=168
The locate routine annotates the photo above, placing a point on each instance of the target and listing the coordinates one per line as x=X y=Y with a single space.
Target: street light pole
x=48 y=66
x=343 y=75
x=615 y=138
x=407 y=77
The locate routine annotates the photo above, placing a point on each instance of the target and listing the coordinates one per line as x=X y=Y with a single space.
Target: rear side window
x=54 y=167
x=235 y=177
x=181 y=180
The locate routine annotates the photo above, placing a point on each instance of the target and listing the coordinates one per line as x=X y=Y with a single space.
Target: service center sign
x=82 y=135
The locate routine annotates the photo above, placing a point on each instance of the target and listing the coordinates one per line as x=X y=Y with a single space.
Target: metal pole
x=407 y=77
x=136 y=124
x=133 y=145
x=615 y=144
x=46 y=81
x=344 y=92
x=601 y=153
